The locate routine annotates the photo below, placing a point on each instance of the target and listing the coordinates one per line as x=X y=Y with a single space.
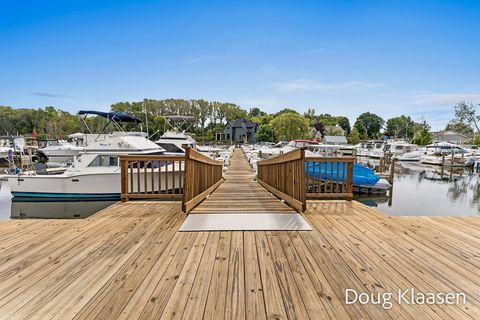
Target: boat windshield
x=104 y=161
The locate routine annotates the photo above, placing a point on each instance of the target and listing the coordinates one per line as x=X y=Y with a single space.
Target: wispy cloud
x=298 y=85
x=51 y=95
x=444 y=99
x=204 y=58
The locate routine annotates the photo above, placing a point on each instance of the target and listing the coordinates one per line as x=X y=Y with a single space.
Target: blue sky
x=340 y=57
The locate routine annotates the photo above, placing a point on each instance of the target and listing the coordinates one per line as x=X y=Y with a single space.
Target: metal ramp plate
x=245 y=222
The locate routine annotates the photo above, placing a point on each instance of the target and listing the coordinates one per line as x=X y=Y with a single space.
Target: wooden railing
x=329 y=177
x=284 y=177
x=151 y=177
x=202 y=176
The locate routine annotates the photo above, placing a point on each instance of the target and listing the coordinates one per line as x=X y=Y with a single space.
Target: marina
x=300 y=160
x=130 y=261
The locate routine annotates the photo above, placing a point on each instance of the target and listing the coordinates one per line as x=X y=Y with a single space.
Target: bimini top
x=113 y=116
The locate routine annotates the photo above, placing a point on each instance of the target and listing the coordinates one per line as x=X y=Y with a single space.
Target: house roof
x=449 y=133
x=242 y=123
x=335 y=139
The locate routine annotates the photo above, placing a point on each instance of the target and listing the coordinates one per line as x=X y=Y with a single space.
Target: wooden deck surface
x=239 y=193
x=129 y=262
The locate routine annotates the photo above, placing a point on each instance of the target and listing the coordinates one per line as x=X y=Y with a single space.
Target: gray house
x=241 y=131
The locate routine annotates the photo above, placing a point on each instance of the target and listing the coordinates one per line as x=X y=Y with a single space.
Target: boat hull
x=105 y=186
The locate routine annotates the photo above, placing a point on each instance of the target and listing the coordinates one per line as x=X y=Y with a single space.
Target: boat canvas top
x=112 y=116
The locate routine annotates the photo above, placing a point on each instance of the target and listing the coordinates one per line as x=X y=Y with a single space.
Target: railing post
x=350 y=180
x=301 y=180
x=186 y=175
x=124 y=180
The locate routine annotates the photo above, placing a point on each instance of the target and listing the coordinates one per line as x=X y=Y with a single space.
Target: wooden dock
x=129 y=262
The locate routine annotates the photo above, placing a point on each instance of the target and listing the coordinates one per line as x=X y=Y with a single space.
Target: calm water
x=426 y=190
x=417 y=190
x=25 y=208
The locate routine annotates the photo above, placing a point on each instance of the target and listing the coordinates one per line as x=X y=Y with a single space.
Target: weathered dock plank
x=130 y=262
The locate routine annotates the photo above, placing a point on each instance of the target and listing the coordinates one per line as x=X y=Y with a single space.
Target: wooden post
x=350 y=179
x=392 y=171
x=186 y=186
x=124 y=179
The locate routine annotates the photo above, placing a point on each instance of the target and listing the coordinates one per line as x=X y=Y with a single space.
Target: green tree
x=265 y=133
x=422 y=137
x=373 y=123
x=467 y=113
x=285 y=110
x=402 y=126
x=354 y=137
x=344 y=123
x=361 y=129
x=289 y=126
x=256 y=112
x=459 y=127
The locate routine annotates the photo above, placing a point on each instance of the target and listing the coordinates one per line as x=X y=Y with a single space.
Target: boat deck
x=128 y=261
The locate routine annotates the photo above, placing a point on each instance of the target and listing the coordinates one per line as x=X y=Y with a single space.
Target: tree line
x=211 y=116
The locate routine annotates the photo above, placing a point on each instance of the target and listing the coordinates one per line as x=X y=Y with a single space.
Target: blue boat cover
x=114 y=116
x=328 y=171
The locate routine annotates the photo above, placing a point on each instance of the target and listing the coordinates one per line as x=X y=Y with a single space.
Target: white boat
x=96 y=173
x=284 y=147
x=330 y=150
x=447 y=154
x=175 y=140
x=403 y=151
x=12 y=144
x=59 y=151
x=92 y=176
x=413 y=156
x=370 y=148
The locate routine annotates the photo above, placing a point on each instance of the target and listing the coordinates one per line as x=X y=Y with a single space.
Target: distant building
x=450 y=136
x=335 y=140
x=241 y=131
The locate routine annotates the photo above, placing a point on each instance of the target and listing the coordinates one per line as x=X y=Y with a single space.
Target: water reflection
x=428 y=190
x=54 y=210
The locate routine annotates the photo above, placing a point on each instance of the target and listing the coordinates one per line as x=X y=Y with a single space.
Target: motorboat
x=92 y=176
x=447 y=154
x=370 y=148
x=284 y=147
x=14 y=145
x=330 y=150
x=413 y=156
x=59 y=151
x=175 y=141
x=96 y=173
x=364 y=179
x=403 y=151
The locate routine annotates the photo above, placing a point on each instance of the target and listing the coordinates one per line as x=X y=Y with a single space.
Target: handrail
x=202 y=176
x=284 y=177
x=151 y=176
x=329 y=177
